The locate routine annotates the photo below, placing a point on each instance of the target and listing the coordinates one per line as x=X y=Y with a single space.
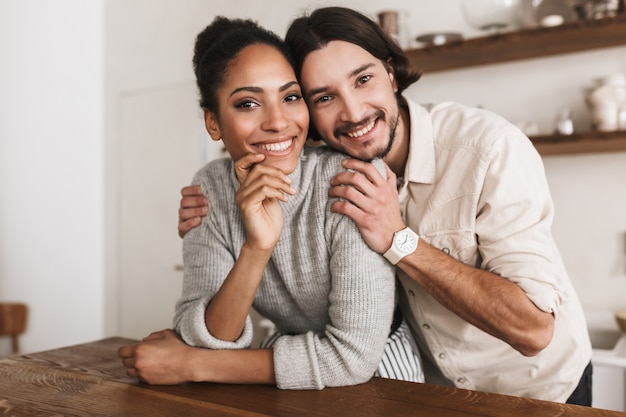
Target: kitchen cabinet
x=523 y=44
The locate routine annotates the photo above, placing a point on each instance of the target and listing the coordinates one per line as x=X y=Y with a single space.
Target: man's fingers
x=366 y=168
x=185 y=214
x=191 y=190
x=355 y=180
x=187 y=225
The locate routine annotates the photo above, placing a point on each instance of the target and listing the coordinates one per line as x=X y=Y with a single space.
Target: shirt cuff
x=545 y=298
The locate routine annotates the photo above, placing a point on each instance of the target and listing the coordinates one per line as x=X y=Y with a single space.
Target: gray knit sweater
x=325 y=290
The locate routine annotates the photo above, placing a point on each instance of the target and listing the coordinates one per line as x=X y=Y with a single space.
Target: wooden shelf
x=578 y=36
x=579 y=143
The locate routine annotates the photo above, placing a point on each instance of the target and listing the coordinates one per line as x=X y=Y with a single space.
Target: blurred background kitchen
x=99 y=130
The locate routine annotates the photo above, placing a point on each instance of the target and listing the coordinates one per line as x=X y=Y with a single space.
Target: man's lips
x=355 y=134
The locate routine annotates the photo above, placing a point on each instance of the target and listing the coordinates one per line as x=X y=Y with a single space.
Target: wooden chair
x=13 y=317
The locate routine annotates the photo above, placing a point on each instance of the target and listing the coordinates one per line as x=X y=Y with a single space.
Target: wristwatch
x=404 y=243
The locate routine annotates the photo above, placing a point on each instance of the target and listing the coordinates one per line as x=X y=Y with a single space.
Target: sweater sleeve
x=208 y=257
x=361 y=304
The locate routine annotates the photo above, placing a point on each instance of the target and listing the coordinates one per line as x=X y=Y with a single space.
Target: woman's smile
x=276 y=148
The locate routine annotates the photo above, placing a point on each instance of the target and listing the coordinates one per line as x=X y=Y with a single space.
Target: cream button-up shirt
x=475 y=187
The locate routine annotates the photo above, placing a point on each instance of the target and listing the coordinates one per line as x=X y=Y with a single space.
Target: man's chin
x=364 y=154
x=365 y=151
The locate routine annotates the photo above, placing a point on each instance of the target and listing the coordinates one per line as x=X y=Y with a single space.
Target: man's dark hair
x=310 y=33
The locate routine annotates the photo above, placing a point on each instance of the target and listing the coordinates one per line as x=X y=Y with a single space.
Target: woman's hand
x=262 y=188
x=162 y=358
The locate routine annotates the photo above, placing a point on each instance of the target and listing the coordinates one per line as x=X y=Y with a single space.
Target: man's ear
x=212 y=125
x=392 y=75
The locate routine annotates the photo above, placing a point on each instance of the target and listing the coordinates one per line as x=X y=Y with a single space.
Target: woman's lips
x=276 y=147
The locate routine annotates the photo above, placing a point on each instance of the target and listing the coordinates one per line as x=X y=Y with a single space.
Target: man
x=468 y=227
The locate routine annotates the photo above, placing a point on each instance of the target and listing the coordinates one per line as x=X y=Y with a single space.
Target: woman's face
x=261 y=109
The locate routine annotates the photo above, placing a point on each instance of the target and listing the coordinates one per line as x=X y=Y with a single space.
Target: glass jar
x=607 y=103
x=491 y=16
x=546 y=13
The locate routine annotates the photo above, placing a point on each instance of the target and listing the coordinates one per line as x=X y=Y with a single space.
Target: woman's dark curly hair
x=310 y=33
x=217 y=45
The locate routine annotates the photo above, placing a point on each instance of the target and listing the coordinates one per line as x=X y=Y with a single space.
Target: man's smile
x=363 y=131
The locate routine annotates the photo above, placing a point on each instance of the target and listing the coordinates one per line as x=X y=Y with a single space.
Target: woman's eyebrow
x=254 y=89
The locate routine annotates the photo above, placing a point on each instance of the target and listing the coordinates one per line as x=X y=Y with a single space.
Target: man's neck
x=399 y=153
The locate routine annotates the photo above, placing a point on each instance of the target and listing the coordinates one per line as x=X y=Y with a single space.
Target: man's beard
x=382 y=152
x=392 y=136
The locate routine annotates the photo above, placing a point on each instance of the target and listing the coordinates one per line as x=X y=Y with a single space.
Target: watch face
x=405 y=242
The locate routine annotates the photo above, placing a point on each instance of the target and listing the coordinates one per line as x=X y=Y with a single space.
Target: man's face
x=351 y=98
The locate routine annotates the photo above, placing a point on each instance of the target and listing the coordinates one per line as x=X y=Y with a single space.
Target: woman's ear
x=212 y=125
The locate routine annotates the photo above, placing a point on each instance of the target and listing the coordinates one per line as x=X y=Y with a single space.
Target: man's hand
x=193 y=207
x=160 y=359
x=371 y=201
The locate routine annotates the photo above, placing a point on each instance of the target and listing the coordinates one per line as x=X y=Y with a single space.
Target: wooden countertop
x=89 y=379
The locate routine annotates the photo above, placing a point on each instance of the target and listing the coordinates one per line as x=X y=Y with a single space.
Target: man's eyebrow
x=360 y=69
x=253 y=89
x=352 y=73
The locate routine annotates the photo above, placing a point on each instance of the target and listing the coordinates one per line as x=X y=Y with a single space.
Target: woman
x=270 y=242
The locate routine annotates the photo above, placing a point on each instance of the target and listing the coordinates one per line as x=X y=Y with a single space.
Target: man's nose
x=352 y=108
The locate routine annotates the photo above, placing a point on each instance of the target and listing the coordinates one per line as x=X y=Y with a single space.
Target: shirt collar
x=420 y=166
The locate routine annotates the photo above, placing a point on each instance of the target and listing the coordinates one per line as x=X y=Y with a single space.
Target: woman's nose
x=276 y=119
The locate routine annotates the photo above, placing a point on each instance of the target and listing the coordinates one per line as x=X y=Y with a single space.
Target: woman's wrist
x=261 y=255
x=237 y=366
x=199 y=365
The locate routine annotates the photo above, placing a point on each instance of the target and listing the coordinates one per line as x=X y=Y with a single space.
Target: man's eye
x=363 y=79
x=322 y=99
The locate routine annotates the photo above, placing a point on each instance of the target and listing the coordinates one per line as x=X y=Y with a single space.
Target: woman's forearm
x=162 y=358
x=241 y=366
x=225 y=316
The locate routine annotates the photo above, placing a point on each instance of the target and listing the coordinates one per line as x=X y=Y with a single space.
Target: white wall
x=58 y=132
x=51 y=168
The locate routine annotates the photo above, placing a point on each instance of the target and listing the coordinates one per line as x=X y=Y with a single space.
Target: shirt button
x=461 y=380
x=411 y=293
x=442 y=356
x=426 y=326
x=446 y=251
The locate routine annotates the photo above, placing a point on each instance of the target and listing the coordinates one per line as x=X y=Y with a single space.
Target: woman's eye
x=293 y=97
x=246 y=104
